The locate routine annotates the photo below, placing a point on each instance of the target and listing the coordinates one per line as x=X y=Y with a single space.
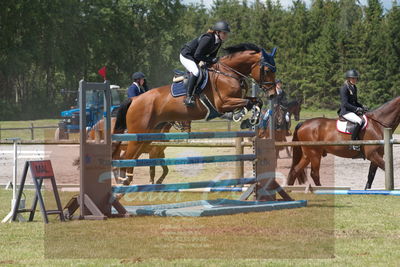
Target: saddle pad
x=179 y=88
x=344 y=126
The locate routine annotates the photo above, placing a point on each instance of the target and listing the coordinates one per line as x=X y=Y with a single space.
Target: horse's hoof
x=239 y=115
x=124 y=181
x=119 y=196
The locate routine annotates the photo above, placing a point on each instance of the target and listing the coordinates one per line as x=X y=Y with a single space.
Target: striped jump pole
x=181 y=186
x=358 y=192
x=179 y=136
x=180 y=161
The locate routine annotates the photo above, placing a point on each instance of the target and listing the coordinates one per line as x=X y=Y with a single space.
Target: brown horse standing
x=294 y=108
x=322 y=129
x=280 y=132
x=223 y=90
x=153 y=151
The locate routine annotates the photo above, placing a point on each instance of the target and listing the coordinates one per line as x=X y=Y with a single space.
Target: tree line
x=49 y=45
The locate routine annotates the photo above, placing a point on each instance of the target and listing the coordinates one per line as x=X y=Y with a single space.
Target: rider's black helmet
x=278 y=81
x=138 y=75
x=352 y=74
x=221 y=26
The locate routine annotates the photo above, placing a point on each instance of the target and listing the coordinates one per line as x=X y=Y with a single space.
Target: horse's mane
x=382 y=107
x=242 y=47
x=377 y=113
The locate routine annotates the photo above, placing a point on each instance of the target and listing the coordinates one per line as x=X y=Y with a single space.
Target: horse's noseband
x=267 y=60
x=265 y=85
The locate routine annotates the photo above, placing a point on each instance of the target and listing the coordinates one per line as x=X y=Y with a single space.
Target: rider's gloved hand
x=359 y=111
x=212 y=62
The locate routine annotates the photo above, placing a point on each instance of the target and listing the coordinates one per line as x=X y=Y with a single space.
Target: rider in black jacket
x=350 y=108
x=202 y=50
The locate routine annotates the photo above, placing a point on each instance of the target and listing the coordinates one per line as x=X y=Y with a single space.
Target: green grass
x=39 y=134
x=331 y=231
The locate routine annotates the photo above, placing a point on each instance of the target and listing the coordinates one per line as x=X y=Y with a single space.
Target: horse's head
x=248 y=59
x=294 y=108
x=265 y=73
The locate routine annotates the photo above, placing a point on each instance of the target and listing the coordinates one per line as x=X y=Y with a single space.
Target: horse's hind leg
x=164 y=174
x=133 y=151
x=152 y=174
x=158 y=152
x=298 y=172
x=315 y=166
x=371 y=175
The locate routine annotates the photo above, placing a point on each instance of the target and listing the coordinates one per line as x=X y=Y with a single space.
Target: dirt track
x=334 y=171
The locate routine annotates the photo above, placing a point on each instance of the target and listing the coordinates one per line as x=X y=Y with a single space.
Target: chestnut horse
x=323 y=129
x=224 y=91
x=153 y=151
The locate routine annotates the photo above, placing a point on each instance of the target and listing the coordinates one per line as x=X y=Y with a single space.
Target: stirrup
x=189 y=101
x=355 y=147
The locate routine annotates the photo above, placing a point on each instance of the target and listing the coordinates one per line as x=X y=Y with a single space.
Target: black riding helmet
x=221 y=26
x=138 y=75
x=352 y=74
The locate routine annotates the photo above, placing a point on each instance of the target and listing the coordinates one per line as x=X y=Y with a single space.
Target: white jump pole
x=14 y=185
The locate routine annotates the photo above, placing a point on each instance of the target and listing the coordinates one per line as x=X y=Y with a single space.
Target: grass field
x=215 y=125
x=331 y=231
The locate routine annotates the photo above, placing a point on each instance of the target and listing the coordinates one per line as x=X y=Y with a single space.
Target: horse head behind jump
x=294 y=107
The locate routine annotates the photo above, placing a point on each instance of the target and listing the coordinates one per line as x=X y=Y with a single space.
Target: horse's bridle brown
x=262 y=63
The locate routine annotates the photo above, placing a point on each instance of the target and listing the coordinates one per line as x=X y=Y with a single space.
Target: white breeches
x=190 y=65
x=287 y=117
x=353 y=118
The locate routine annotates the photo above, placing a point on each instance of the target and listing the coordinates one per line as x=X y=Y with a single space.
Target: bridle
x=265 y=85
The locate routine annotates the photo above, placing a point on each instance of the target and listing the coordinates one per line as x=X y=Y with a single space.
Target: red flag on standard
x=102 y=72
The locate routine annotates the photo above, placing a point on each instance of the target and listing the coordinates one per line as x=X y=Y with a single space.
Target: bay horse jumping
x=224 y=92
x=153 y=151
x=323 y=129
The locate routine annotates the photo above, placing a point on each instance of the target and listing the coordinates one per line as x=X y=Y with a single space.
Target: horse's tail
x=120 y=123
x=297 y=154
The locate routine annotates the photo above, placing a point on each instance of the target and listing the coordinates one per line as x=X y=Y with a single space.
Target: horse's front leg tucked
x=236 y=108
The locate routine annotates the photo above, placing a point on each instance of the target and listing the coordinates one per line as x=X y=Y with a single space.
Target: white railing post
x=389 y=179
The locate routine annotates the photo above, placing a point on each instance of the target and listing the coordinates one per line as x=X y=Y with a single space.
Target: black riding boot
x=354 y=136
x=189 y=100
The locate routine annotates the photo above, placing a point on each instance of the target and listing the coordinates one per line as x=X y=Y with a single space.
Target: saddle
x=180 y=80
x=347 y=127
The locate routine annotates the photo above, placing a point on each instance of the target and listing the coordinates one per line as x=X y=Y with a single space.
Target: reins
x=384 y=124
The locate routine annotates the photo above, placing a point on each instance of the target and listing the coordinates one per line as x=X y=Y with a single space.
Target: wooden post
x=32 y=135
x=389 y=179
x=239 y=151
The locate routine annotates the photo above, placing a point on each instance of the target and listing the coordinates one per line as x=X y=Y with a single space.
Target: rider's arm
x=345 y=100
x=203 y=49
